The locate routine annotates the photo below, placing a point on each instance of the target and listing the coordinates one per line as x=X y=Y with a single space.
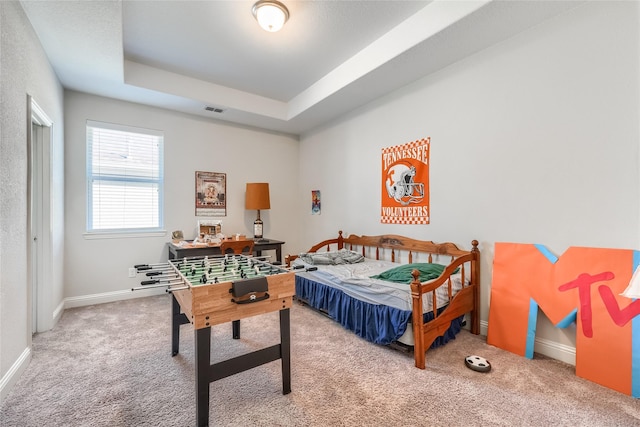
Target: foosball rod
x=169 y=275
x=171 y=281
x=155 y=270
x=181 y=288
x=225 y=270
x=300 y=268
x=155 y=273
x=230 y=270
x=159 y=272
x=158 y=285
x=212 y=262
x=145 y=267
x=217 y=259
x=221 y=269
x=227 y=276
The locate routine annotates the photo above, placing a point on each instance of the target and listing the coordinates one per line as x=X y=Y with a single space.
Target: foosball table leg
x=235 y=326
x=285 y=350
x=203 y=363
x=177 y=319
x=175 y=326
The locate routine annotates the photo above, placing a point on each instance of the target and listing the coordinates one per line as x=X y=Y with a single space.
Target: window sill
x=122 y=235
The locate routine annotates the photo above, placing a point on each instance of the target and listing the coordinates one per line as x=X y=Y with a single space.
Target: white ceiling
x=331 y=56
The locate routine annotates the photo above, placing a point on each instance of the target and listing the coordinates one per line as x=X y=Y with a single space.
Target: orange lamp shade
x=257 y=196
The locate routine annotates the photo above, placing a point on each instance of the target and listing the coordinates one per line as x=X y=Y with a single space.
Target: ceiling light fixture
x=270 y=14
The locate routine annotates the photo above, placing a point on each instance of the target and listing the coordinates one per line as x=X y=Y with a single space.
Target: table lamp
x=257 y=197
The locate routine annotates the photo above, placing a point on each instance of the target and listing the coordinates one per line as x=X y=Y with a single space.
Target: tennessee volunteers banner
x=582 y=286
x=405 y=183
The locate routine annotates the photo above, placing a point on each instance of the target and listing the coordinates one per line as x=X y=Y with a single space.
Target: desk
x=176 y=251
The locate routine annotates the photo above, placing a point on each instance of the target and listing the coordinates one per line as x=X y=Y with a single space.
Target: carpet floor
x=111 y=365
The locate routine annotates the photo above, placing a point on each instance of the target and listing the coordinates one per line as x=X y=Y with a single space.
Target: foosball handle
x=249 y=300
x=149 y=282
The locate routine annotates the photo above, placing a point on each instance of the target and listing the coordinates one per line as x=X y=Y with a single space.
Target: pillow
x=342 y=256
x=402 y=273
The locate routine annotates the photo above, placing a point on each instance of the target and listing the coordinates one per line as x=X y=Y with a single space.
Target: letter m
x=527 y=278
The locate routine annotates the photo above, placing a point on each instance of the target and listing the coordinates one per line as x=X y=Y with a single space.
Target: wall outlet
x=132 y=272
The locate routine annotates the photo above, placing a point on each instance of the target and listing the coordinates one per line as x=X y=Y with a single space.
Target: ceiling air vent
x=214 y=109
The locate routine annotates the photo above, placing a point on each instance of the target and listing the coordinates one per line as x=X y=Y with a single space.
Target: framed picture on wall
x=315 y=202
x=405 y=183
x=211 y=194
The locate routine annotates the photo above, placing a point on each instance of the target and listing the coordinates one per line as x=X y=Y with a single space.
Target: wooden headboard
x=393 y=247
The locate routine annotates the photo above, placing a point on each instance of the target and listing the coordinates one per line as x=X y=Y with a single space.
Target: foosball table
x=208 y=291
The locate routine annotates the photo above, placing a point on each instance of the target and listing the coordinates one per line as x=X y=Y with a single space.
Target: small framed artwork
x=211 y=194
x=210 y=227
x=315 y=202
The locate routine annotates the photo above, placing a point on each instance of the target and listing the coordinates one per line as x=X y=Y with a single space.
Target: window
x=125 y=179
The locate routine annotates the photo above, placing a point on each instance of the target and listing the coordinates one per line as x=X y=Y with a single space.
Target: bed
x=392 y=289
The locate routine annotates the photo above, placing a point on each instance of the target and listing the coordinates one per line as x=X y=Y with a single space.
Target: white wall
x=534 y=140
x=25 y=70
x=96 y=269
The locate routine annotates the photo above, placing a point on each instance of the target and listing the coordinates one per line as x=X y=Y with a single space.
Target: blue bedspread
x=379 y=324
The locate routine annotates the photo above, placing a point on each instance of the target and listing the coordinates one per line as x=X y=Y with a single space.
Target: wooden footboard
x=406 y=250
x=467 y=300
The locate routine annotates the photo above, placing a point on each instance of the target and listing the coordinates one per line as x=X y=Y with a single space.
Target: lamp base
x=257 y=228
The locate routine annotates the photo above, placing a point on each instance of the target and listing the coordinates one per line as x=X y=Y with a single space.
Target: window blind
x=125 y=178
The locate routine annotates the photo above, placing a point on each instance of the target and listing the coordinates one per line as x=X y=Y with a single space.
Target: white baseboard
x=552 y=349
x=102 y=298
x=57 y=313
x=14 y=373
x=484 y=328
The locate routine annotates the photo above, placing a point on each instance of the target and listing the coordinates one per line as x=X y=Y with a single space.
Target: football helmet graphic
x=400 y=185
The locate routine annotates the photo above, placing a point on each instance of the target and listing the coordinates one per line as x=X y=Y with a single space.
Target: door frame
x=39 y=254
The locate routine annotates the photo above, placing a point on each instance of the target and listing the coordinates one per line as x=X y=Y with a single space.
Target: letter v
x=620 y=317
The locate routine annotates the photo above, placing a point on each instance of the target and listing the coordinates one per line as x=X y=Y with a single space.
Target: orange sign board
x=405 y=183
x=582 y=286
